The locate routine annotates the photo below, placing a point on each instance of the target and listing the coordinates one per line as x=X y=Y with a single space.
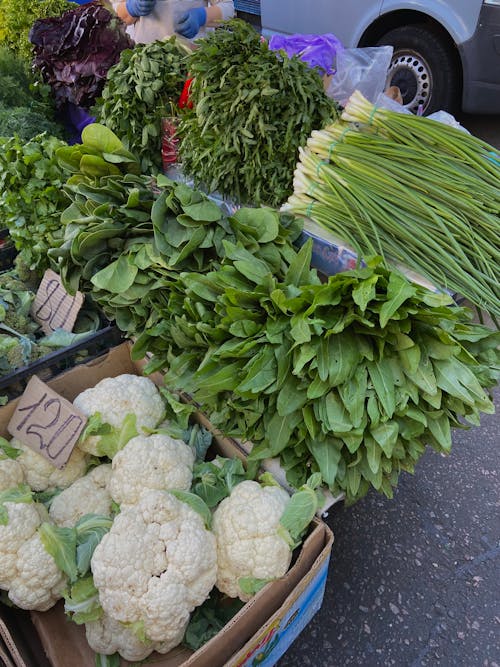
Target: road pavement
x=415 y=581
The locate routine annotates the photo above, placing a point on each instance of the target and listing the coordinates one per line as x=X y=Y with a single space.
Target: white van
x=446 y=52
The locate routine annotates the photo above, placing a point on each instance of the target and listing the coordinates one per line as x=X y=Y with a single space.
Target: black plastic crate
x=13 y=384
x=8 y=250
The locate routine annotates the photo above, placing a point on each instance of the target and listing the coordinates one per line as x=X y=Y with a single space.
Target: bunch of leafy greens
x=31 y=196
x=252 y=110
x=128 y=246
x=351 y=378
x=15 y=79
x=17 y=18
x=26 y=123
x=140 y=90
x=73 y=52
x=25 y=108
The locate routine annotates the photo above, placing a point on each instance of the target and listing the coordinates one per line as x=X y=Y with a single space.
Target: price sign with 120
x=47 y=423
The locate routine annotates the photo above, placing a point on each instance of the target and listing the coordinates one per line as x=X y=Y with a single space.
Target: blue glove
x=140 y=7
x=189 y=24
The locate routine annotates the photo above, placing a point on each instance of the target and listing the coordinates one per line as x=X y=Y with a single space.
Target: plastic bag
x=316 y=50
x=360 y=69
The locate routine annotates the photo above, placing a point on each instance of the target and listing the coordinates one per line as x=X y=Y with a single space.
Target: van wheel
x=423 y=67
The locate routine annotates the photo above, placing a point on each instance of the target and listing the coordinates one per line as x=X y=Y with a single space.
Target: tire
x=424 y=68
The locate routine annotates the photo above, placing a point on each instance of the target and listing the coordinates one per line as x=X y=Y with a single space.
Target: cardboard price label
x=53 y=308
x=47 y=423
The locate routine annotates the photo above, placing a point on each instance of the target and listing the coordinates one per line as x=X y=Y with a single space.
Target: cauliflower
x=156 y=564
x=114 y=399
x=23 y=520
x=11 y=474
x=41 y=475
x=150 y=462
x=37 y=583
x=249 y=544
x=108 y=636
x=88 y=495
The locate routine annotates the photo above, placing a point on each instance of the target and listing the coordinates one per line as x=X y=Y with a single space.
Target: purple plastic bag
x=316 y=50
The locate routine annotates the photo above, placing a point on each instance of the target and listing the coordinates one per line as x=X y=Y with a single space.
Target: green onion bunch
x=415 y=191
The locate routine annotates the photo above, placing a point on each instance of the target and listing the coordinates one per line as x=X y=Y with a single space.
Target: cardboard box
x=268 y=623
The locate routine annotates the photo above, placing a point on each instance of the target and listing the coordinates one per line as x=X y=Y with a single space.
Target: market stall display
x=241 y=354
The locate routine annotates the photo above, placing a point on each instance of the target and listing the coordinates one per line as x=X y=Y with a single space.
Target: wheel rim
x=410 y=72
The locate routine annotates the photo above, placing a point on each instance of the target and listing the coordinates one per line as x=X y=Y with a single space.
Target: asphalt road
x=415 y=581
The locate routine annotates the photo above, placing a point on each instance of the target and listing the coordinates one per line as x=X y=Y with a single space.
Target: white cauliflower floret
x=156 y=564
x=41 y=475
x=88 y=495
x=114 y=399
x=38 y=583
x=22 y=523
x=108 y=636
x=150 y=462
x=11 y=474
x=246 y=527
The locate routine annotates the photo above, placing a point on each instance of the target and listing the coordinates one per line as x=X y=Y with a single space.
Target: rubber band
x=320 y=164
x=337 y=141
x=372 y=114
x=309 y=209
x=311 y=189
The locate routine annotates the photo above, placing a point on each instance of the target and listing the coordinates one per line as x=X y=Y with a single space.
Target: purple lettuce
x=74 y=51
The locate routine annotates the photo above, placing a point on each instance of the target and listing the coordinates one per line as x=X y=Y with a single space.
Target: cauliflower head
x=11 y=474
x=41 y=475
x=23 y=520
x=155 y=565
x=150 y=462
x=246 y=526
x=88 y=495
x=116 y=398
x=108 y=636
x=38 y=583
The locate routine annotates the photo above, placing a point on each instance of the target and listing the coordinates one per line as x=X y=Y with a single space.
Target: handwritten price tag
x=47 y=423
x=53 y=308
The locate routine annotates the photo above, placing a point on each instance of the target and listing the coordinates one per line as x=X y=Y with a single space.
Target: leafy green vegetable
x=251 y=111
x=72 y=548
x=81 y=601
x=17 y=17
x=140 y=90
x=208 y=619
x=214 y=480
x=196 y=503
x=25 y=123
x=300 y=510
x=60 y=543
x=111 y=438
x=252 y=585
x=32 y=197
x=102 y=660
x=7 y=451
x=18 y=494
x=381 y=376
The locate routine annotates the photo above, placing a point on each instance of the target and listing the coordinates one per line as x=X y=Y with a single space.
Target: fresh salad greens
x=32 y=196
x=351 y=378
x=140 y=90
x=252 y=109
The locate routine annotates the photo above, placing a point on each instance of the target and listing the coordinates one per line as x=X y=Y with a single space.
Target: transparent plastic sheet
x=360 y=69
x=316 y=50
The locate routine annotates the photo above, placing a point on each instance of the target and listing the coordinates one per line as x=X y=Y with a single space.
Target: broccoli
x=13 y=354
